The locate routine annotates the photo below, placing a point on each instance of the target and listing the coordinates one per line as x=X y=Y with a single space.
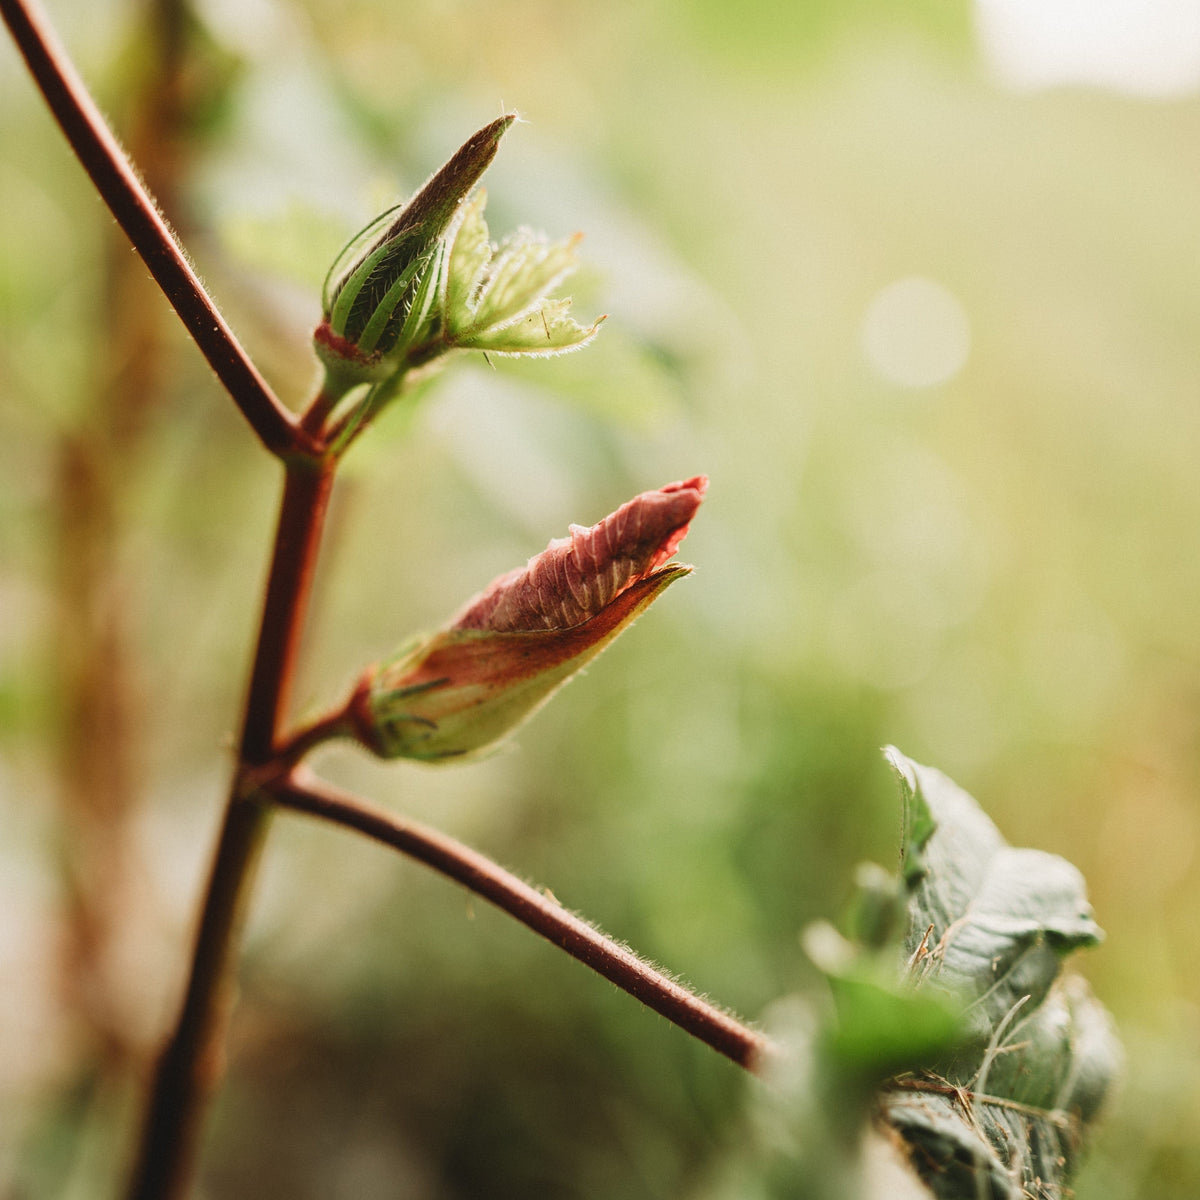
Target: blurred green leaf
x=988 y=921
x=778 y=34
x=990 y=924
x=294 y=243
x=878 y=908
x=827 y=1072
x=883 y=1028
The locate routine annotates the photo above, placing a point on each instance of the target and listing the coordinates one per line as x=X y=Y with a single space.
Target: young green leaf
x=539 y=334
x=991 y=925
x=470 y=252
x=497 y=298
x=882 y=1024
x=994 y=920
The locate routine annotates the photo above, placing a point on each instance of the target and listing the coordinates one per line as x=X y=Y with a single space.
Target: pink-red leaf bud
x=521 y=638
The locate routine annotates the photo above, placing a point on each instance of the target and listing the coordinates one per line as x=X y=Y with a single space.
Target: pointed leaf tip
x=575 y=577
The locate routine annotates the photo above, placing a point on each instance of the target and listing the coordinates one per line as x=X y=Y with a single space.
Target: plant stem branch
x=305 y=793
x=337 y=723
x=192 y=1064
x=103 y=159
x=306 y=493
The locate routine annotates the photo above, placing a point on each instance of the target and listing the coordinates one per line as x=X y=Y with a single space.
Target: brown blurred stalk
x=98 y=671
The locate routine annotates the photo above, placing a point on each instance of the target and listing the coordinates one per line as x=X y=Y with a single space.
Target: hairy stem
x=307 y=794
x=192 y=1063
x=101 y=156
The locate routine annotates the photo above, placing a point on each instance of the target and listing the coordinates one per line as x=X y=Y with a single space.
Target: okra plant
x=949 y=1035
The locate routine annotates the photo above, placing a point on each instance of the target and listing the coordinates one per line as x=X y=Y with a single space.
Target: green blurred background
x=917 y=285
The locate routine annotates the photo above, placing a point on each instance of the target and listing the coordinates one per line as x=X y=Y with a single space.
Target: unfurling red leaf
x=520 y=639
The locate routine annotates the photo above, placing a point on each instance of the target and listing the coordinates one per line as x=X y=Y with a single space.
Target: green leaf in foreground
x=814 y=1120
x=990 y=924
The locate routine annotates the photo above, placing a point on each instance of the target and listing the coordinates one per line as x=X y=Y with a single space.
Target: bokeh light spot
x=1141 y=47
x=915 y=333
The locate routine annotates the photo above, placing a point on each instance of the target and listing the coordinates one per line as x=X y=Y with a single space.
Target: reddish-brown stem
x=335 y=724
x=315 y=416
x=191 y=1065
x=97 y=149
x=307 y=794
x=301 y=519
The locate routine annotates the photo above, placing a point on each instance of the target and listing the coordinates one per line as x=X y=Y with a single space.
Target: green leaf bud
x=370 y=301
